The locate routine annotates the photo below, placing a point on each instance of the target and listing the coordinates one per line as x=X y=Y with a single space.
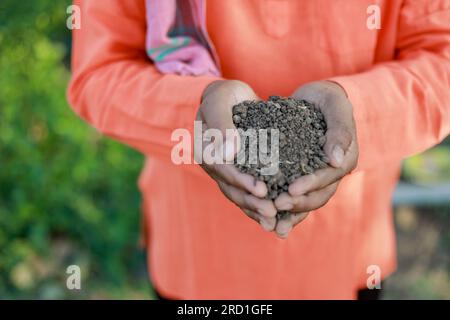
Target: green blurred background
x=69 y=196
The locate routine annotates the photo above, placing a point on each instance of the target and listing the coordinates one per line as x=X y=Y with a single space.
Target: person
x=384 y=93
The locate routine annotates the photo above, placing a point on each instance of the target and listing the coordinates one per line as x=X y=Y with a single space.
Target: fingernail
x=338 y=155
x=286 y=206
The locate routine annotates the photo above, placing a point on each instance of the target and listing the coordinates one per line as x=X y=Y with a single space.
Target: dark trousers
x=363 y=294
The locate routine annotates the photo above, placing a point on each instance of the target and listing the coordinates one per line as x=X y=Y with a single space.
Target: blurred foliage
x=431 y=166
x=67 y=195
x=423 y=272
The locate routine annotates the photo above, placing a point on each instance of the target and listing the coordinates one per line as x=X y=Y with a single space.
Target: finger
x=221 y=117
x=252 y=214
x=338 y=140
x=323 y=177
x=267 y=224
x=213 y=138
x=232 y=176
x=218 y=117
x=315 y=181
x=223 y=142
x=296 y=218
x=338 y=114
x=307 y=202
x=247 y=201
x=285 y=225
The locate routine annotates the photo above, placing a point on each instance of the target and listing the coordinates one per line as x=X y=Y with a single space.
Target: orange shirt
x=200 y=245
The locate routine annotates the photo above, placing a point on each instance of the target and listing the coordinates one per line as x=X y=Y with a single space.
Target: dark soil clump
x=302 y=131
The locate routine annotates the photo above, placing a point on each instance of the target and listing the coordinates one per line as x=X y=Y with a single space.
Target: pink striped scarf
x=177 y=41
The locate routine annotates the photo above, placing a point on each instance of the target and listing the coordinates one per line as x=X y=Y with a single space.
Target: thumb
x=337 y=144
x=231 y=144
x=218 y=113
x=219 y=117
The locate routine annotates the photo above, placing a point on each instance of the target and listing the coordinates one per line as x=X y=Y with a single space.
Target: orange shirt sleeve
x=403 y=107
x=116 y=88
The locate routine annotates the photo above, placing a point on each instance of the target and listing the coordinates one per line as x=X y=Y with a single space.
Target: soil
x=302 y=131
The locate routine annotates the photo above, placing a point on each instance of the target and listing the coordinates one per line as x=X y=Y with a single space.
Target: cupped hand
x=313 y=191
x=245 y=191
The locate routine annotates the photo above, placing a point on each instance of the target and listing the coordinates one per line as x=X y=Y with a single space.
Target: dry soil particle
x=302 y=131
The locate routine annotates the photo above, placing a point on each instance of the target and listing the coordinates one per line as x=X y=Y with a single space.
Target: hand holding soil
x=242 y=189
x=317 y=147
x=313 y=156
x=313 y=191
